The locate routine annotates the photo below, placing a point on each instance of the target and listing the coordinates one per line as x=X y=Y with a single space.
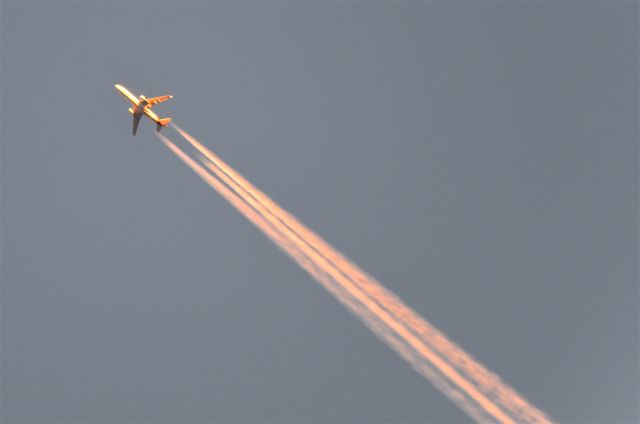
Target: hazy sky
x=480 y=159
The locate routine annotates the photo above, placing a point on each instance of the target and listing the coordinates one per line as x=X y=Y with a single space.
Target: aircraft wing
x=155 y=100
x=136 y=121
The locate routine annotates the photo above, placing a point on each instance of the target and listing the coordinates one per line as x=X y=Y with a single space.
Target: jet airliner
x=142 y=105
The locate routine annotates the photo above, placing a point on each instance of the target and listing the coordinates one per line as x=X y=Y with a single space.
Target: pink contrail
x=477 y=391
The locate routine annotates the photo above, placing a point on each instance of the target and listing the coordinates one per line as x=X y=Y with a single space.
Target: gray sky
x=480 y=159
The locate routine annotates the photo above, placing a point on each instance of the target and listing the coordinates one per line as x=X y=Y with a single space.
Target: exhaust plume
x=477 y=391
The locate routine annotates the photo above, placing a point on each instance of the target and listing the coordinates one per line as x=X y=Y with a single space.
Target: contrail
x=478 y=392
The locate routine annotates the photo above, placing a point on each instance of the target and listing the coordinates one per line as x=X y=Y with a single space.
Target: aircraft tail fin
x=163 y=122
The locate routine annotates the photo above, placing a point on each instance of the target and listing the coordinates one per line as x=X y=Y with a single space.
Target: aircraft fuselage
x=141 y=105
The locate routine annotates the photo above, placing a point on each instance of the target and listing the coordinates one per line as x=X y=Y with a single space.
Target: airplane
x=142 y=105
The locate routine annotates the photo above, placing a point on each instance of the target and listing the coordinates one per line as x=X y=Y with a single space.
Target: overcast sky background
x=479 y=159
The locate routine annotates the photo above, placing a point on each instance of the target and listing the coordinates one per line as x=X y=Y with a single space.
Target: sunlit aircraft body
x=142 y=105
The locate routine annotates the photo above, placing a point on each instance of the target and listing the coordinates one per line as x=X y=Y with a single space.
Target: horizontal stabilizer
x=163 y=122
